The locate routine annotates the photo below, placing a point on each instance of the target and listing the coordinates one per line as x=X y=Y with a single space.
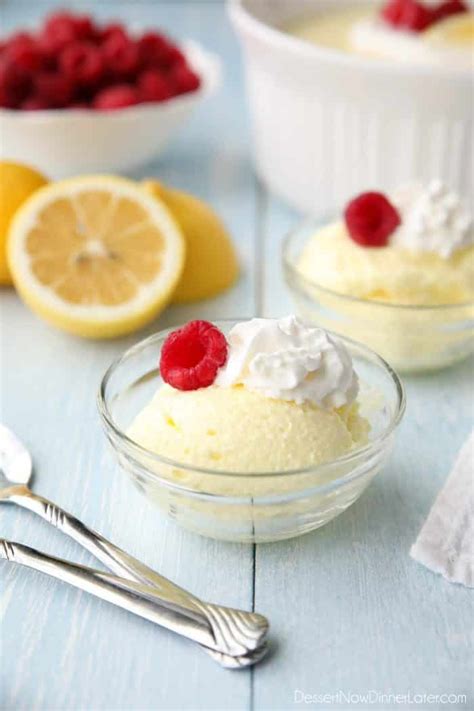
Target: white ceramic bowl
x=71 y=141
x=329 y=124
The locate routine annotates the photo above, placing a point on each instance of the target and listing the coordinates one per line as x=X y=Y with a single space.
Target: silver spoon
x=234 y=638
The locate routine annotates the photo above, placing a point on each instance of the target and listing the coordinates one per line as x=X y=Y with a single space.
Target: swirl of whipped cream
x=287 y=360
x=433 y=219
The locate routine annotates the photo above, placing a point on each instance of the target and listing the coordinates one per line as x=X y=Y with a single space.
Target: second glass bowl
x=231 y=506
x=411 y=338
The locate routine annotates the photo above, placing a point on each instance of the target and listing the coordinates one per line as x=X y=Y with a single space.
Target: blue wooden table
x=351 y=613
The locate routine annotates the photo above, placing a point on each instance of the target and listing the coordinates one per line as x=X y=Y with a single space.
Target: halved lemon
x=211 y=264
x=456 y=31
x=96 y=255
x=17 y=183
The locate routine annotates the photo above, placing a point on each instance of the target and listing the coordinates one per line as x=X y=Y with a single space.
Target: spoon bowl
x=16 y=465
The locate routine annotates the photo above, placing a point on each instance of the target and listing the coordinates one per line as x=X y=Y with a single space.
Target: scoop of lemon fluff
x=248 y=420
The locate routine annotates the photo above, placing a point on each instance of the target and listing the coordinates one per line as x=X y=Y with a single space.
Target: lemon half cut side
x=95 y=255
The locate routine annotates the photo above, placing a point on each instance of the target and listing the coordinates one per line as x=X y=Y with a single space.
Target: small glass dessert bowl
x=246 y=505
x=409 y=297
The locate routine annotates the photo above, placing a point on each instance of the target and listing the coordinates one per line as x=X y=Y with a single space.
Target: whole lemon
x=17 y=182
x=211 y=264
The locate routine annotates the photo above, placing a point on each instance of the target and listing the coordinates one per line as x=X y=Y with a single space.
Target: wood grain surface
x=350 y=611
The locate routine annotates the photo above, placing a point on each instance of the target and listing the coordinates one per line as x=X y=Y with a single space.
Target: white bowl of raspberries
x=78 y=97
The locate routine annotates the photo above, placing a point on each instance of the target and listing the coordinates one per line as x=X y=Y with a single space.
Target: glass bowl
x=231 y=506
x=412 y=338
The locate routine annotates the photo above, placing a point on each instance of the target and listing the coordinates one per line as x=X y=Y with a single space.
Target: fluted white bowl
x=328 y=124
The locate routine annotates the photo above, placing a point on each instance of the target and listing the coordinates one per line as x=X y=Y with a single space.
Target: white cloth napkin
x=445 y=544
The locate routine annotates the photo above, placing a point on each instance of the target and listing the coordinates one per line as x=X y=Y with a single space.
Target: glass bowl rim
x=356 y=454
x=289 y=264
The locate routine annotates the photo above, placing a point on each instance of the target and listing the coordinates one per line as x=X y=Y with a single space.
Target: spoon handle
x=128 y=595
x=235 y=632
x=117 y=560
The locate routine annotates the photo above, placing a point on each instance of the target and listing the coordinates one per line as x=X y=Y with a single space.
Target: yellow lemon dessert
x=397 y=273
x=390 y=275
x=424 y=257
x=457 y=31
x=96 y=255
x=17 y=183
x=274 y=396
x=211 y=263
x=407 y=31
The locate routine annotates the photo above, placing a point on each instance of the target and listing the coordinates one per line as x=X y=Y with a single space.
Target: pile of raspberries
x=72 y=62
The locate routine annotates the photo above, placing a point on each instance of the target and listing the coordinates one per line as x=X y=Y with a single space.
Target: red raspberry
x=82 y=62
x=192 y=355
x=84 y=27
x=34 y=103
x=18 y=38
x=392 y=12
x=154 y=50
x=183 y=79
x=152 y=86
x=23 y=51
x=55 y=89
x=114 y=29
x=58 y=31
x=371 y=219
x=408 y=14
x=14 y=85
x=120 y=56
x=173 y=57
x=115 y=97
x=449 y=7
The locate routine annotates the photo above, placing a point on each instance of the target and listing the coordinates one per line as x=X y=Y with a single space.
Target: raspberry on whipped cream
x=417 y=218
x=371 y=219
x=427 y=259
x=192 y=355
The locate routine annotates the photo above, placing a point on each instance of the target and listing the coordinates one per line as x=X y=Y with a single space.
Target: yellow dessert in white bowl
x=403 y=31
x=410 y=297
x=282 y=436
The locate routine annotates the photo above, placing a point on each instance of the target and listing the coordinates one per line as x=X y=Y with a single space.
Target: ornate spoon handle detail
x=230 y=632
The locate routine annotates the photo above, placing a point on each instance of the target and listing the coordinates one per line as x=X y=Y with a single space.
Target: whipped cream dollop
x=433 y=219
x=373 y=36
x=288 y=360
